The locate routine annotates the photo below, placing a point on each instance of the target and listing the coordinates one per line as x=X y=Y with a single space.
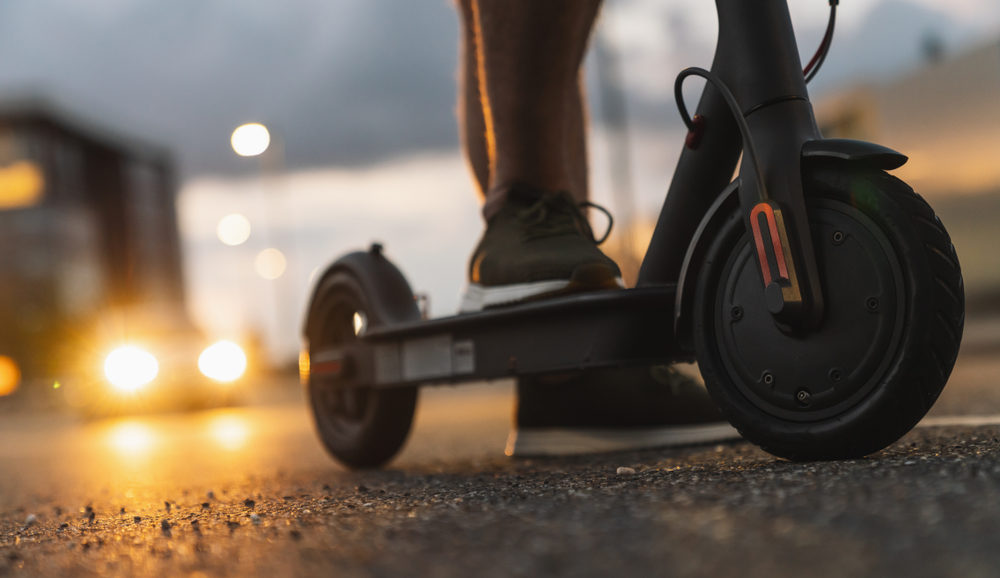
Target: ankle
x=497 y=196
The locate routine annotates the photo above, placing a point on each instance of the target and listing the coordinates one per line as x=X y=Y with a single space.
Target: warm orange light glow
x=22 y=184
x=270 y=264
x=131 y=438
x=233 y=229
x=223 y=361
x=10 y=376
x=129 y=368
x=304 y=367
x=230 y=431
x=250 y=140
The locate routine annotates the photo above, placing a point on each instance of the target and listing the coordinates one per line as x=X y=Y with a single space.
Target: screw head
x=736 y=313
x=803 y=396
x=872 y=304
x=838 y=237
x=767 y=378
x=835 y=374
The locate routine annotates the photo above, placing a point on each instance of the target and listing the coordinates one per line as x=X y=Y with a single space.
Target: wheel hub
x=822 y=373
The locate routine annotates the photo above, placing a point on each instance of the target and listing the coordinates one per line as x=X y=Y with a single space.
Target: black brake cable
x=824 y=46
x=748 y=147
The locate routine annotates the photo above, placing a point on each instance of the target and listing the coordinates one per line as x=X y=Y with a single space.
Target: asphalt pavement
x=248 y=491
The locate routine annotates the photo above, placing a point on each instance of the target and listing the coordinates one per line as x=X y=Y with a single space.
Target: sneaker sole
x=567 y=442
x=478 y=297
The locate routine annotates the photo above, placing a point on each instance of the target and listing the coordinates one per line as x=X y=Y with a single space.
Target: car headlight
x=129 y=368
x=223 y=361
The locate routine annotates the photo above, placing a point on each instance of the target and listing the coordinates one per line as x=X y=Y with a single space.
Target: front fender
x=871 y=154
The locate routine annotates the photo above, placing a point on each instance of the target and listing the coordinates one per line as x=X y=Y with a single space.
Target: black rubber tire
x=361 y=427
x=927 y=302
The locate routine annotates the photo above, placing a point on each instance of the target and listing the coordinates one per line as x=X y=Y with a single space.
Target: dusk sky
x=361 y=95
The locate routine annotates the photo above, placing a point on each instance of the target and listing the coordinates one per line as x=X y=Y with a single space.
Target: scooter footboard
x=603 y=329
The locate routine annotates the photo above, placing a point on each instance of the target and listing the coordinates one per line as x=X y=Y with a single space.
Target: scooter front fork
x=777 y=219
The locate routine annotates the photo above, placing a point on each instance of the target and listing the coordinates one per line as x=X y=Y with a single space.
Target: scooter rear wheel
x=361 y=426
x=894 y=312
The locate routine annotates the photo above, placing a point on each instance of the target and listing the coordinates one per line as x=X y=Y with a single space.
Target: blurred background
x=133 y=213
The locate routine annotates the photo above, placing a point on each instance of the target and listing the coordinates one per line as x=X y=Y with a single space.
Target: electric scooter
x=821 y=297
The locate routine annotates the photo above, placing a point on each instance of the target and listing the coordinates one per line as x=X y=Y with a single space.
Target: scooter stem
x=757 y=59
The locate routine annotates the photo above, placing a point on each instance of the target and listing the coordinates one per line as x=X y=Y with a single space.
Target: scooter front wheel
x=894 y=312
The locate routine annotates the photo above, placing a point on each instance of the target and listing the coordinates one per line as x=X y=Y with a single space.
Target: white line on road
x=960 y=420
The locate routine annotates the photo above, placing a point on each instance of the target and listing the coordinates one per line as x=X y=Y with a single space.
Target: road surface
x=249 y=491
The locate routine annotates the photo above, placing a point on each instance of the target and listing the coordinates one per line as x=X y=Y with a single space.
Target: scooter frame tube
x=757 y=58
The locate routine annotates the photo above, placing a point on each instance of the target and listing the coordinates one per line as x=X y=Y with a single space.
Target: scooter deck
x=601 y=329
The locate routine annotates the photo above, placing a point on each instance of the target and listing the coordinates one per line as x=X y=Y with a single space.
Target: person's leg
x=523 y=127
x=470 y=107
x=473 y=122
x=529 y=126
x=529 y=55
x=576 y=145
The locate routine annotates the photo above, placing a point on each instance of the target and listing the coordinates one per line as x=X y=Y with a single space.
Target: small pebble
x=255 y=519
x=165 y=527
x=249 y=503
x=137 y=519
x=232 y=525
x=625 y=471
x=211 y=495
x=30 y=520
x=167 y=506
x=205 y=505
x=295 y=534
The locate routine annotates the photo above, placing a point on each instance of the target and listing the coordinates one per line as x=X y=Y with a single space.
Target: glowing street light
x=233 y=229
x=270 y=263
x=250 y=140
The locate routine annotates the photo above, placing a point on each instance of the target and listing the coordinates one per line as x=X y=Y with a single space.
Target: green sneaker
x=611 y=410
x=537 y=245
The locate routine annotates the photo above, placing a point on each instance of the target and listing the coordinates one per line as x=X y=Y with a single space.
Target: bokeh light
x=233 y=229
x=10 y=376
x=131 y=438
x=22 y=184
x=128 y=368
x=223 y=361
x=251 y=139
x=230 y=431
x=270 y=263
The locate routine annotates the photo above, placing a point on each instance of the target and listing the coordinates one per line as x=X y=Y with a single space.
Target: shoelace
x=556 y=214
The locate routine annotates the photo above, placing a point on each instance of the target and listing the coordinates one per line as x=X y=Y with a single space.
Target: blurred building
x=946 y=118
x=87 y=223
